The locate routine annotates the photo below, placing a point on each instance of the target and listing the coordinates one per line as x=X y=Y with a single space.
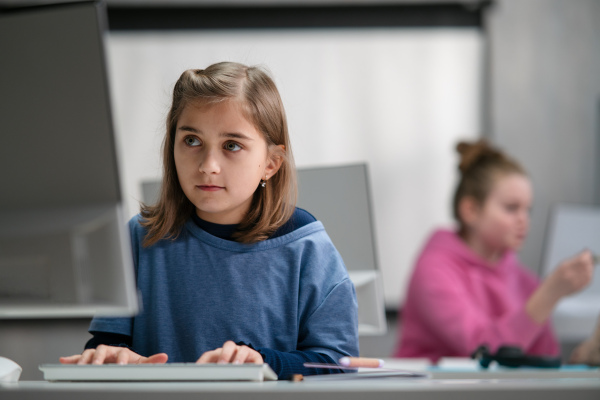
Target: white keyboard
x=158 y=372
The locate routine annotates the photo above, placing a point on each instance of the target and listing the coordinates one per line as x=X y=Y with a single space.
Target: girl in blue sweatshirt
x=229 y=270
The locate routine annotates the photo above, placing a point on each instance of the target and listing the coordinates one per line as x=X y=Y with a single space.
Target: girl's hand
x=231 y=353
x=113 y=355
x=569 y=277
x=588 y=352
x=572 y=275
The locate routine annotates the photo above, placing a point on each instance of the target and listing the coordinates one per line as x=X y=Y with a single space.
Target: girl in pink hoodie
x=468 y=287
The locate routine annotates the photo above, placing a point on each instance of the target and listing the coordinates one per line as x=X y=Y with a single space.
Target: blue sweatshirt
x=288 y=297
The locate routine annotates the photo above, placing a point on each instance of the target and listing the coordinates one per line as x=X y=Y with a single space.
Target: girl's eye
x=191 y=141
x=232 y=146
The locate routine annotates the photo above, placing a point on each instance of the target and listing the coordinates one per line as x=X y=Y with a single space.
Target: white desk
x=447 y=383
x=470 y=387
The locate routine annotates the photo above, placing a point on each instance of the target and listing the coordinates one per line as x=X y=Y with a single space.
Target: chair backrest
x=339 y=196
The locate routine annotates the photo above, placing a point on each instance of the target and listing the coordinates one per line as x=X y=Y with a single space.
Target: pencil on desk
x=361 y=362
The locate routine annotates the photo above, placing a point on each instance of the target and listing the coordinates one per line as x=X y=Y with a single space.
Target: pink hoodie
x=457 y=301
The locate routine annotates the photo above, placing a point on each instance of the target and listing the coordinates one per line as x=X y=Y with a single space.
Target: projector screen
x=397 y=99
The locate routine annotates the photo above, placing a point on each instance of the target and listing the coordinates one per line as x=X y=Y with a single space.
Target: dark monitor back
x=54 y=98
x=64 y=248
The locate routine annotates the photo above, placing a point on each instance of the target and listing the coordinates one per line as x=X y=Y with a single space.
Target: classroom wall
x=544 y=101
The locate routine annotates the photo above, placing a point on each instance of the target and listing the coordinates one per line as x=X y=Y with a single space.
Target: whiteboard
x=396 y=99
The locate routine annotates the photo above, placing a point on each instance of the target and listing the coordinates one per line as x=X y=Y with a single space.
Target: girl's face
x=502 y=222
x=220 y=159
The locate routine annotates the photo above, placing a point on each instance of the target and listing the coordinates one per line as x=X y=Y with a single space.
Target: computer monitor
x=339 y=196
x=64 y=245
x=572 y=229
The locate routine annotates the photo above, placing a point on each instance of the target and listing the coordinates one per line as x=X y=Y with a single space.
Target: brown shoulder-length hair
x=480 y=166
x=261 y=104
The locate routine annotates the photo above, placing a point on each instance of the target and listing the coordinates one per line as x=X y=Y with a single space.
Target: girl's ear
x=275 y=159
x=468 y=210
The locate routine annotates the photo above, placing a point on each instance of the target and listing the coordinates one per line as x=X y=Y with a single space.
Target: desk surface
x=448 y=383
x=468 y=387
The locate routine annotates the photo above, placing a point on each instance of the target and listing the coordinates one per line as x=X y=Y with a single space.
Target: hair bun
x=472 y=153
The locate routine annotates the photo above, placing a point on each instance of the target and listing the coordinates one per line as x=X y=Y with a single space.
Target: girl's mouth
x=209 y=188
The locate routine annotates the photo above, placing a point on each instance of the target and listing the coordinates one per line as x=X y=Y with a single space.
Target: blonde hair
x=480 y=165
x=261 y=104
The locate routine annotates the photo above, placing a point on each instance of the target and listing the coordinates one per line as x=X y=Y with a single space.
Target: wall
x=544 y=101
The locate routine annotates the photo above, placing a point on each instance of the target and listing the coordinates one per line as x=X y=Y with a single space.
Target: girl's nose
x=524 y=218
x=209 y=163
